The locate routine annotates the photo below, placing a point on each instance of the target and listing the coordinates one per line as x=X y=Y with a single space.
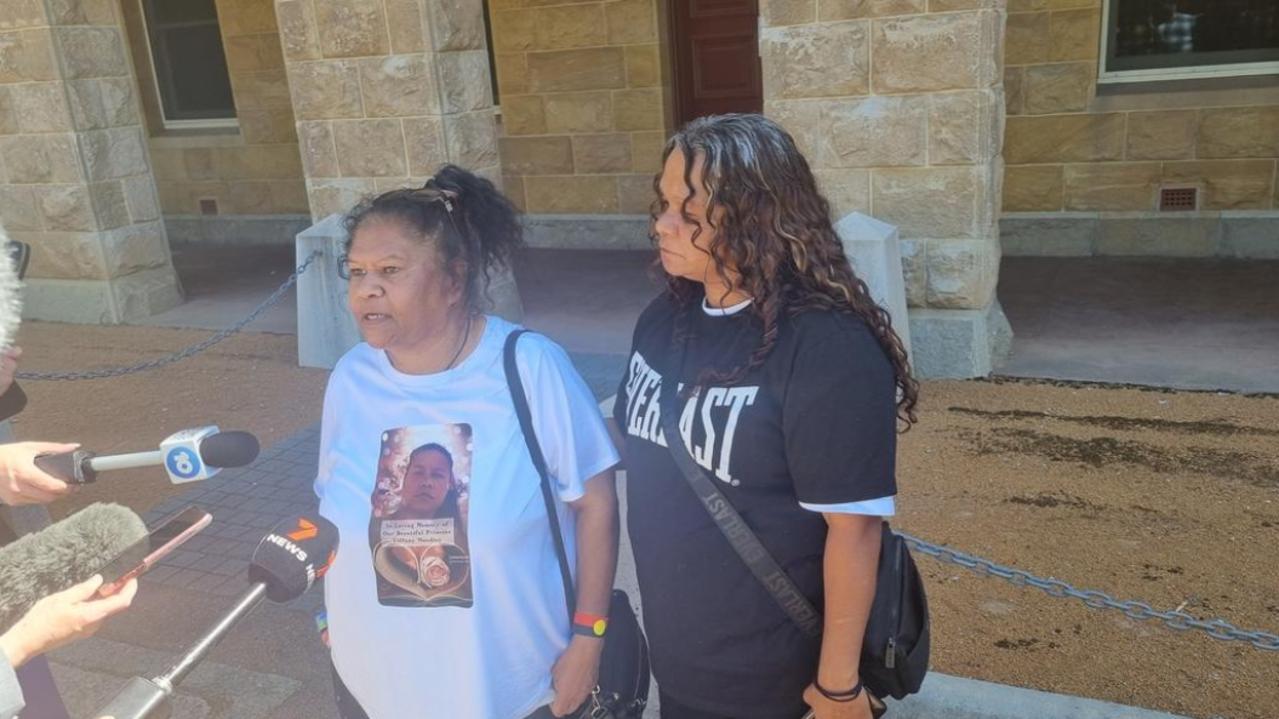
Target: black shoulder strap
x=739 y=535
x=516 y=386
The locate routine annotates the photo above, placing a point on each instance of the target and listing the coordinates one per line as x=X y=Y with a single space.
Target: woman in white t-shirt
x=445 y=599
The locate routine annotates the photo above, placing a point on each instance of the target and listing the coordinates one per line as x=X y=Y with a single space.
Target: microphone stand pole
x=148 y=698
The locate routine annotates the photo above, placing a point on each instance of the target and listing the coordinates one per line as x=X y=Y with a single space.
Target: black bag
x=622 y=691
x=894 y=657
x=896 y=644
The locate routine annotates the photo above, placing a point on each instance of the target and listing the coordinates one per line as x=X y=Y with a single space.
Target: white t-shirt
x=445 y=599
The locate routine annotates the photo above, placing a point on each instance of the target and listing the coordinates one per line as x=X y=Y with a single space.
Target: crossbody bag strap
x=739 y=535
x=516 y=386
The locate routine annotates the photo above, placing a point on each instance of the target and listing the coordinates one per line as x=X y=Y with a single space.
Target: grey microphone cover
x=65 y=553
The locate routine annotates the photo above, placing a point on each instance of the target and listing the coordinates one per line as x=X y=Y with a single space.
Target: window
x=190 y=64
x=1179 y=39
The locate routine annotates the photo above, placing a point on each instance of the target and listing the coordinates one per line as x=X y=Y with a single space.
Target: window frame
x=1109 y=10
x=211 y=123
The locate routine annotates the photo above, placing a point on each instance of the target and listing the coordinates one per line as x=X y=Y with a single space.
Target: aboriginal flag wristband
x=589 y=625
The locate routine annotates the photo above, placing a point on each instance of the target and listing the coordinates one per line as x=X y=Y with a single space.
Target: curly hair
x=773 y=231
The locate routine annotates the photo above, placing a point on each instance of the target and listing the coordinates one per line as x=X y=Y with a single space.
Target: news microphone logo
x=182 y=455
x=306 y=530
x=293 y=555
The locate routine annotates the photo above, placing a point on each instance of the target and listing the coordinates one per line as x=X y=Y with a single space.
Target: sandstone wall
x=911 y=137
x=583 y=108
x=75 y=180
x=1070 y=148
x=385 y=91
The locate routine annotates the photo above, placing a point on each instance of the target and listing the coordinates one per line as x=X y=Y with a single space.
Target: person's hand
x=823 y=708
x=63 y=617
x=21 y=481
x=8 y=366
x=576 y=673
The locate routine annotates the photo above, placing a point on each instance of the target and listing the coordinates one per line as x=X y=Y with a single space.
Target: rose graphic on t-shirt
x=433 y=571
x=418 y=531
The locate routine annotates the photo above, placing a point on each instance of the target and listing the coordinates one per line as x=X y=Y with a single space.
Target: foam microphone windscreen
x=229 y=449
x=63 y=554
x=293 y=555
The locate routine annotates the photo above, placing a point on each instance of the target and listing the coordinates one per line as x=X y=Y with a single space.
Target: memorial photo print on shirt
x=417 y=531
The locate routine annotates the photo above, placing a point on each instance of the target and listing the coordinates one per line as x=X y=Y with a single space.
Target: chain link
x=1175 y=620
x=191 y=351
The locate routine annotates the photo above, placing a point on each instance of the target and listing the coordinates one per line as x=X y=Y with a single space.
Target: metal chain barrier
x=191 y=351
x=1175 y=619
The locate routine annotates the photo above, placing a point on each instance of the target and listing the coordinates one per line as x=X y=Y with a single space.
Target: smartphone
x=166 y=537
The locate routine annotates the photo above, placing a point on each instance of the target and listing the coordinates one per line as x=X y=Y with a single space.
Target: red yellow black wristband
x=589 y=625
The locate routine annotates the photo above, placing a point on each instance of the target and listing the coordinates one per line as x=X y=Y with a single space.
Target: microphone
x=288 y=560
x=63 y=554
x=187 y=456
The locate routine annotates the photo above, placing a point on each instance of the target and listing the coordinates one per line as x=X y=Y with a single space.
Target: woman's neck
x=720 y=295
x=449 y=349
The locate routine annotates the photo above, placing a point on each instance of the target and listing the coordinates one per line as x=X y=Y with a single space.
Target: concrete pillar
x=913 y=139
x=384 y=92
x=75 y=176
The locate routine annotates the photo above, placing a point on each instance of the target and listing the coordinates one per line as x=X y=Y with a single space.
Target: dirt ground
x=1167 y=497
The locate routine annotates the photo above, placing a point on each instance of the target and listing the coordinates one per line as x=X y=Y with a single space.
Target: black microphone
x=187 y=456
x=63 y=554
x=286 y=563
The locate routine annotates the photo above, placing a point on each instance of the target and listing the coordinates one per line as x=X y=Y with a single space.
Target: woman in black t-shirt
x=792 y=383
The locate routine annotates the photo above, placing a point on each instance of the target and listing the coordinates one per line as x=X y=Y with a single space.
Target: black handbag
x=894 y=656
x=622 y=691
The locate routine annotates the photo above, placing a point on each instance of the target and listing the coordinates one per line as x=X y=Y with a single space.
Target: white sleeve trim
x=880 y=507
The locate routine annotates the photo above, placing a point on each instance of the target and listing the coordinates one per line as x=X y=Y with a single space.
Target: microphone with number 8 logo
x=187 y=456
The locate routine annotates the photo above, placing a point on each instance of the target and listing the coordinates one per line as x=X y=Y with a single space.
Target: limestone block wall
x=385 y=91
x=898 y=105
x=256 y=170
x=75 y=178
x=1070 y=148
x=583 y=113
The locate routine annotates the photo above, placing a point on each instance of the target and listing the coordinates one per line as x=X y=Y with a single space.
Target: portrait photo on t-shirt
x=417 y=531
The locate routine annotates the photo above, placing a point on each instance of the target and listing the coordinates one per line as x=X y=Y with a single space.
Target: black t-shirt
x=815 y=424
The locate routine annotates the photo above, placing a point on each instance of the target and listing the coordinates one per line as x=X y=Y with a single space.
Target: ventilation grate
x=1178 y=199
x=208 y=206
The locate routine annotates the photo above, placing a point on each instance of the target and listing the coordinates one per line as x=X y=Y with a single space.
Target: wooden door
x=716 y=63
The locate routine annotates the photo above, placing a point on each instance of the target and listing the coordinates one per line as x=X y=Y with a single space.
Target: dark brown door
x=716 y=47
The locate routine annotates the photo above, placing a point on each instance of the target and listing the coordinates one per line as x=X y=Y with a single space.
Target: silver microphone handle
x=109 y=462
x=149 y=698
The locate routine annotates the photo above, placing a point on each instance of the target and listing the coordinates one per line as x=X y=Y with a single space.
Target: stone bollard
x=326 y=329
x=872 y=250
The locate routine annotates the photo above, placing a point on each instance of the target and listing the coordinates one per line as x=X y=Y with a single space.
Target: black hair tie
x=841 y=697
